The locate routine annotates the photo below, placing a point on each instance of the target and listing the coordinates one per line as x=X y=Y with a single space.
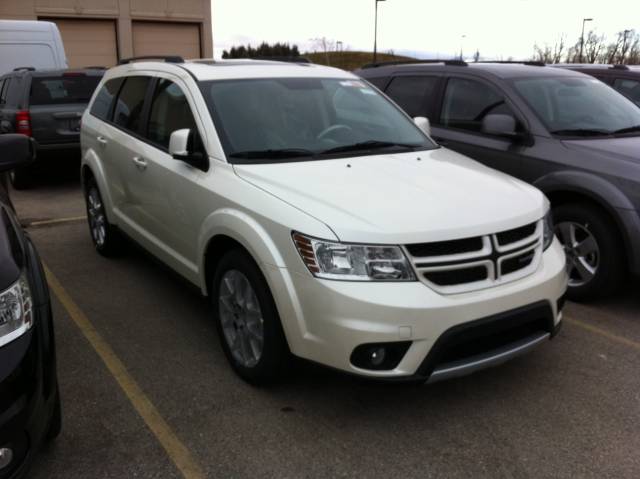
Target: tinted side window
x=379 y=82
x=4 y=90
x=411 y=92
x=629 y=88
x=102 y=104
x=169 y=112
x=1 y=91
x=130 y=102
x=467 y=102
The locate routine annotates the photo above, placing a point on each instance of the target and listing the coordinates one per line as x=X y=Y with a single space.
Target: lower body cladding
x=405 y=330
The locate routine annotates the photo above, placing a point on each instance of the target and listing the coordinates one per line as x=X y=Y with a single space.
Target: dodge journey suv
x=319 y=219
x=570 y=135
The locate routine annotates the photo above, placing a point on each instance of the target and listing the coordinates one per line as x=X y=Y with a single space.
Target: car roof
x=207 y=69
x=599 y=67
x=499 y=70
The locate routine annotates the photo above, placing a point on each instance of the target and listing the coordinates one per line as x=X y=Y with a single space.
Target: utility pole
x=375 y=34
x=584 y=20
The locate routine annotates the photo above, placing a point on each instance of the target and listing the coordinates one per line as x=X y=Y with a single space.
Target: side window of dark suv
x=129 y=106
x=411 y=93
x=466 y=103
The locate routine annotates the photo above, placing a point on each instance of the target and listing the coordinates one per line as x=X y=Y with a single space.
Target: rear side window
x=102 y=104
x=629 y=88
x=467 y=102
x=169 y=112
x=56 y=90
x=4 y=88
x=411 y=92
x=130 y=102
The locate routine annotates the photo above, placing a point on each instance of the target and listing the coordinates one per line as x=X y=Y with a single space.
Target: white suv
x=319 y=219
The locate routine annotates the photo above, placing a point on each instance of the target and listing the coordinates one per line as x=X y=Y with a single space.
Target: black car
x=565 y=132
x=46 y=105
x=29 y=398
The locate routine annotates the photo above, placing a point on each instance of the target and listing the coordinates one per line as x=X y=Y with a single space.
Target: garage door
x=164 y=38
x=89 y=42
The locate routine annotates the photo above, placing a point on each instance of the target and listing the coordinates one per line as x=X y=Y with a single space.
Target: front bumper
x=325 y=321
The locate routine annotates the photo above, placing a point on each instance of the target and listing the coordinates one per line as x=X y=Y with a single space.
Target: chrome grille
x=470 y=264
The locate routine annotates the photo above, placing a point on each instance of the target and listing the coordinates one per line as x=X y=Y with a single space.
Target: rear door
x=628 y=87
x=465 y=103
x=56 y=105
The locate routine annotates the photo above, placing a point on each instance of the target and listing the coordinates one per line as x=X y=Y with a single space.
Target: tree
x=263 y=50
x=548 y=54
x=476 y=56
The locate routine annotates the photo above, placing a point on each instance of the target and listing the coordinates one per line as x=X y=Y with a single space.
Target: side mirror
x=16 y=151
x=501 y=125
x=184 y=145
x=423 y=123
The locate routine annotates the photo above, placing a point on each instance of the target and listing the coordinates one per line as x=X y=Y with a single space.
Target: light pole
x=461 y=45
x=584 y=20
x=375 y=34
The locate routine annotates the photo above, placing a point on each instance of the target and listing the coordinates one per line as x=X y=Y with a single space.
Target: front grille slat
x=478 y=262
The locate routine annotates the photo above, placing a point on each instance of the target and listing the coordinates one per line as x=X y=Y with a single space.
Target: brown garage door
x=165 y=38
x=88 y=42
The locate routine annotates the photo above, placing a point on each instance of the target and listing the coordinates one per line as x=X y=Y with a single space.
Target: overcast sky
x=422 y=27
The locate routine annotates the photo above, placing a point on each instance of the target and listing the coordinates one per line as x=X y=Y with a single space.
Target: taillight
x=23 y=122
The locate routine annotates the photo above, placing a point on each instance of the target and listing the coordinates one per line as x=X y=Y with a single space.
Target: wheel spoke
x=587 y=246
x=584 y=269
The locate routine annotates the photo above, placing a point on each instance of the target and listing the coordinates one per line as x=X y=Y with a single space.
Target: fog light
x=6 y=456
x=379 y=356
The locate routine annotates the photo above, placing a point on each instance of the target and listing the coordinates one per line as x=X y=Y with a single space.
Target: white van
x=30 y=44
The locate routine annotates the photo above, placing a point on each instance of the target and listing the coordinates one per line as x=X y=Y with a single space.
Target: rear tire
x=20 y=178
x=106 y=238
x=247 y=320
x=595 y=253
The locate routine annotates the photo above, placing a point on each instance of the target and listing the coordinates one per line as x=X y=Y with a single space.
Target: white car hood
x=398 y=199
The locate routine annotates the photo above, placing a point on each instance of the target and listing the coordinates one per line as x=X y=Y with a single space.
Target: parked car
x=30 y=43
x=29 y=398
x=566 y=133
x=46 y=105
x=624 y=78
x=319 y=219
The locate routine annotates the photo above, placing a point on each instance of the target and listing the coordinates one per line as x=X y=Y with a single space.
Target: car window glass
x=5 y=89
x=467 y=102
x=68 y=88
x=130 y=102
x=1 y=92
x=102 y=104
x=629 y=88
x=411 y=92
x=169 y=112
x=379 y=82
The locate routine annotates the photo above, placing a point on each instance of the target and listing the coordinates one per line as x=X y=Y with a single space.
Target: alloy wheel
x=241 y=318
x=582 y=251
x=97 y=219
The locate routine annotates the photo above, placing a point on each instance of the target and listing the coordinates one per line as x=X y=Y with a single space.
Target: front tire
x=595 y=258
x=20 y=178
x=247 y=320
x=105 y=237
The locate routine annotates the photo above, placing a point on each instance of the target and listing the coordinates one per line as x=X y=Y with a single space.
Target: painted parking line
x=604 y=333
x=72 y=219
x=176 y=450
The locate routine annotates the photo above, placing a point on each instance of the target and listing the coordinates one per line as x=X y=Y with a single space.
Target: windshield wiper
x=581 y=132
x=368 y=145
x=273 y=154
x=630 y=129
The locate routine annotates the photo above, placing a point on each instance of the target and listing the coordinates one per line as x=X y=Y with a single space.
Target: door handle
x=102 y=140
x=140 y=163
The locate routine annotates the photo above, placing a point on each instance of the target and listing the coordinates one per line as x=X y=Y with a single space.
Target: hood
x=626 y=149
x=401 y=198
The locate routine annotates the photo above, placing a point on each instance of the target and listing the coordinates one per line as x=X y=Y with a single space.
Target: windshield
x=579 y=106
x=68 y=88
x=271 y=119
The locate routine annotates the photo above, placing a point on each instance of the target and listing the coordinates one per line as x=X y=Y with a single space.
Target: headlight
x=353 y=262
x=547 y=232
x=16 y=314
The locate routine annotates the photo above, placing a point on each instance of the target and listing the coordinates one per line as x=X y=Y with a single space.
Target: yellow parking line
x=71 y=219
x=177 y=451
x=602 y=332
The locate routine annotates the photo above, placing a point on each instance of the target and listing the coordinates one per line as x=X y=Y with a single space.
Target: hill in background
x=350 y=60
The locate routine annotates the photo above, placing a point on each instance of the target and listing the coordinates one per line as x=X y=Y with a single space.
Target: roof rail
x=282 y=59
x=533 y=63
x=166 y=58
x=458 y=63
x=26 y=69
x=619 y=67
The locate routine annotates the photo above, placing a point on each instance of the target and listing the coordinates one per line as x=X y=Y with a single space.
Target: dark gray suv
x=46 y=105
x=567 y=133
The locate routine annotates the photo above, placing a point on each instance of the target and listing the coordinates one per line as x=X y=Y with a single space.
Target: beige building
x=101 y=32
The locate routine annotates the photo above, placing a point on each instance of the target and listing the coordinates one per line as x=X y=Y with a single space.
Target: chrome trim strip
x=492 y=358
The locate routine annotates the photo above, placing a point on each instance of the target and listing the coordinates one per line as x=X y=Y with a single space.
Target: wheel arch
x=92 y=169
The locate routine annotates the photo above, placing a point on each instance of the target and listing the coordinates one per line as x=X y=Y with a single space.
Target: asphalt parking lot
x=148 y=393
